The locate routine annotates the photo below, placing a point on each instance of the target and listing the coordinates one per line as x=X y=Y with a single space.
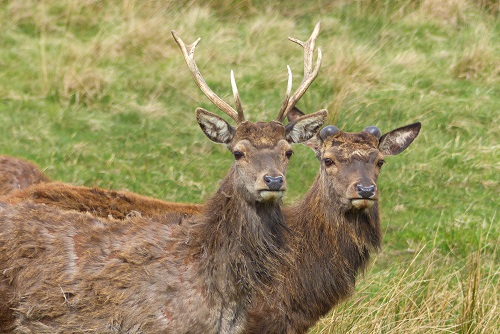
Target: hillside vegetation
x=97 y=93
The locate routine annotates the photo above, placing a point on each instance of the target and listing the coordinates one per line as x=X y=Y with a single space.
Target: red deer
x=332 y=240
x=68 y=272
x=17 y=173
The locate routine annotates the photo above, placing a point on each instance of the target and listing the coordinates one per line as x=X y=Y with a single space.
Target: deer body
x=94 y=276
x=166 y=274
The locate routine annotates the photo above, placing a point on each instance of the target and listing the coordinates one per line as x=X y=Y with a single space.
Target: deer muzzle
x=365 y=192
x=364 y=196
x=274 y=183
x=275 y=186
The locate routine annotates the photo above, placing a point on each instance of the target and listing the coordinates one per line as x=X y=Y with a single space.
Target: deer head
x=261 y=150
x=351 y=162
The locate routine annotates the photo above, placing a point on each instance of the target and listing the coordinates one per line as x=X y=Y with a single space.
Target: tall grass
x=97 y=93
x=428 y=293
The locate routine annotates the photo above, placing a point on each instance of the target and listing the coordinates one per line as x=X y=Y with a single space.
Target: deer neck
x=334 y=245
x=244 y=241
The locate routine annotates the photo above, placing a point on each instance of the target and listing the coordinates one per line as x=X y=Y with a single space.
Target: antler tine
x=237 y=101
x=188 y=52
x=310 y=73
x=287 y=95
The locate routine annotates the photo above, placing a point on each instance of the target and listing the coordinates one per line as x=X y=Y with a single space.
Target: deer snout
x=274 y=183
x=365 y=191
x=362 y=195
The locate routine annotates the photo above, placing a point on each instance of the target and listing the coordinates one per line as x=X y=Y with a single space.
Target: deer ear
x=214 y=127
x=305 y=127
x=398 y=140
x=316 y=141
x=294 y=114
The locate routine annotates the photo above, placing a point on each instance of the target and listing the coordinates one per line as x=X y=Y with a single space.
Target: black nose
x=365 y=192
x=273 y=183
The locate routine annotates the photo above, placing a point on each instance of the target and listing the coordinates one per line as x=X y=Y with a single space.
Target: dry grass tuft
x=87 y=87
x=430 y=294
x=351 y=72
x=444 y=11
x=478 y=61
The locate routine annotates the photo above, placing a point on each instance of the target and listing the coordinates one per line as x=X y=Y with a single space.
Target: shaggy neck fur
x=335 y=246
x=331 y=246
x=251 y=236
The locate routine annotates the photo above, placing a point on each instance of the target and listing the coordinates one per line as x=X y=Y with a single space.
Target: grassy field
x=97 y=93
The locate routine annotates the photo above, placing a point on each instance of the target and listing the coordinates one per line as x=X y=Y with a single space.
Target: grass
x=97 y=93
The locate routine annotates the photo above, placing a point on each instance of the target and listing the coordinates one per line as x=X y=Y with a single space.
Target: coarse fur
x=332 y=240
x=104 y=203
x=172 y=274
x=323 y=276
x=17 y=173
x=69 y=272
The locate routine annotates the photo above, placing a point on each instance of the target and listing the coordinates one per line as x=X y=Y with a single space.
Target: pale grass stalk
x=429 y=294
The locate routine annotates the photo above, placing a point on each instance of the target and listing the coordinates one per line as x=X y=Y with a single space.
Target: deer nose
x=273 y=183
x=365 y=192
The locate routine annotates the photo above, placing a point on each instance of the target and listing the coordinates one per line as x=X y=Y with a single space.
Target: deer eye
x=289 y=153
x=238 y=155
x=328 y=162
x=380 y=163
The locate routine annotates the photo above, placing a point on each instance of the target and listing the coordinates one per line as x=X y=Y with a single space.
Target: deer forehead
x=260 y=134
x=346 y=146
x=263 y=149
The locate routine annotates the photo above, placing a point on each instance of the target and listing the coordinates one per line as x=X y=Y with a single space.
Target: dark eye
x=288 y=154
x=380 y=163
x=328 y=162
x=238 y=155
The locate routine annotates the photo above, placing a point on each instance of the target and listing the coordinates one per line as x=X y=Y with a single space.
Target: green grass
x=97 y=93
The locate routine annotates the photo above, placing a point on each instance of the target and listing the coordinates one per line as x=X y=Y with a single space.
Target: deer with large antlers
x=68 y=272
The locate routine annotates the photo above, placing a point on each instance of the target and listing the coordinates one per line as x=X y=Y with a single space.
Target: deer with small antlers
x=332 y=241
x=68 y=272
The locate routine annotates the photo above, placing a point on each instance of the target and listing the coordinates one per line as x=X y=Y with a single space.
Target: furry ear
x=294 y=114
x=305 y=127
x=396 y=141
x=214 y=127
x=316 y=141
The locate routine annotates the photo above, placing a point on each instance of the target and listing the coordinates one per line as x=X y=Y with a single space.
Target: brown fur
x=330 y=243
x=99 y=202
x=332 y=240
x=70 y=272
x=17 y=173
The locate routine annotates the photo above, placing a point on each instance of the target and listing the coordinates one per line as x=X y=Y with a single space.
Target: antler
x=188 y=52
x=309 y=73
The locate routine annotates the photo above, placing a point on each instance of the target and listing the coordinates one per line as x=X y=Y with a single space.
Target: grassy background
x=97 y=93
